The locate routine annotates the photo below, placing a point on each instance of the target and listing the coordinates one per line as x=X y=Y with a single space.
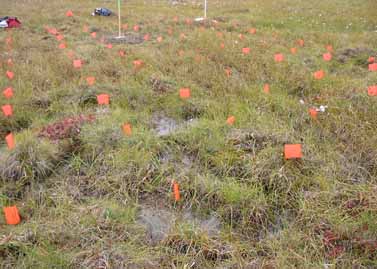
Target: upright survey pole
x=205 y=9
x=120 y=26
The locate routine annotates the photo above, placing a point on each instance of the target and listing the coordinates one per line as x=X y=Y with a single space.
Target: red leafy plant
x=67 y=128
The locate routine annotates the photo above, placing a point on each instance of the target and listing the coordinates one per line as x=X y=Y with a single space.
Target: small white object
x=302 y=102
x=322 y=108
x=199 y=19
x=3 y=24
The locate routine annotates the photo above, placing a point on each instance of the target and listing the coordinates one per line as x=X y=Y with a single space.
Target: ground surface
x=91 y=196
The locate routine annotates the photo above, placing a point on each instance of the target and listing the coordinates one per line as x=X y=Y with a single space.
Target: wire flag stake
x=119 y=21
x=205 y=13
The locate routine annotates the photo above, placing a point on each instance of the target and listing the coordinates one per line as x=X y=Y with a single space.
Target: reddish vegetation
x=350 y=204
x=66 y=128
x=333 y=244
x=336 y=244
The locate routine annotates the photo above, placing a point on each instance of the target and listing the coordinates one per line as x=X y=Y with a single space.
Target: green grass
x=81 y=197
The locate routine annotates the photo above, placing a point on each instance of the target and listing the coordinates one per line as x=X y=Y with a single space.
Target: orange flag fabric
x=184 y=93
x=8 y=93
x=231 y=120
x=292 y=151
x=10 y=141
x=127 y=129
x=103 y=99
x=177 y=195
x=12 y=215
x=7 y=110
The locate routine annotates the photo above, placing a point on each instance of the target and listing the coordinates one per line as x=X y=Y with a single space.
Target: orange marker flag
x=159 y=39
x=10 y=75
x=138 y=64
x=122 y=53
x=7 y=110
x=313 y=113
x=10 y=62
x=293 y=151
x=230 y=120
x=266 y=88
x=327 y=56
x=109 y=46
x=222 y=45
x=77 y=64
x=177 y=195
x=319 y=74
x=69 y=13
x=184 y=93
x=127 y=129
x=241 y=37
x=245 y=50
x=188 y=21
x=228 y=72
x=329 y=48
x=90 y=80
x=372 y=90
x=373 y=67
x=103 y=99
x=252 y=31
x=94 y=34
x=70 y=54
x=62 y=46
x=279 y=57
x=10 y=141
x=293 y=50
x=136 y=28
x=12 y=215
x=371 y=60
x=59 y=37
x=301 y=42
x=147 y=37
x=8 y=93
x=53 y=31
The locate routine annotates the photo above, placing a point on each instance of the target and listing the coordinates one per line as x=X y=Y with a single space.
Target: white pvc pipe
x=205 y=9
x=119 y=20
